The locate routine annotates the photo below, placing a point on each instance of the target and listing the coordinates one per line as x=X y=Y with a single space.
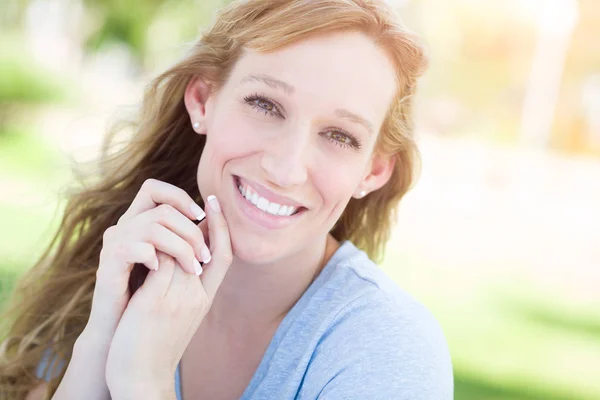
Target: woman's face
x=295 y=130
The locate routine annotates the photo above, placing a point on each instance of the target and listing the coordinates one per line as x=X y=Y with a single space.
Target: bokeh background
x=501 y=236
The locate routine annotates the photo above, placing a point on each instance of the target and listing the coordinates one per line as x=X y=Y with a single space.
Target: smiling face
x=290 y=139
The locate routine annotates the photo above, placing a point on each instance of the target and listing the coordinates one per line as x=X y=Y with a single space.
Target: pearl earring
x=362 y=194
x=196 y=125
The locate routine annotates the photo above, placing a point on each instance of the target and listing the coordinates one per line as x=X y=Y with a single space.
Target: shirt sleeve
x=378 y=350
x=44 y=370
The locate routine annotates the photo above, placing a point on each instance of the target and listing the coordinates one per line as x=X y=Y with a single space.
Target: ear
x=377 y=173
x=196 y=98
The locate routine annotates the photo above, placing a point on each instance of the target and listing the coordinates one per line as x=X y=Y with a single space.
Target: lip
x=260 y=217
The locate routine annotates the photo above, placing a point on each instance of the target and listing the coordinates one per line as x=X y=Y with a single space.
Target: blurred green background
x=499 y=238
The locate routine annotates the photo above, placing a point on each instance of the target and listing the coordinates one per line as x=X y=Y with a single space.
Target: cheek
x=227 y=139
x=223 y=136
x=335 y=181
x=233 y=136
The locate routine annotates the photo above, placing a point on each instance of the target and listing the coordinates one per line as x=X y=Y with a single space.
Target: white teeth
x=273 y=208
x=264 y=204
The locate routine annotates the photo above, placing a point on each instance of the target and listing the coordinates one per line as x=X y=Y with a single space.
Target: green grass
x=508 y=338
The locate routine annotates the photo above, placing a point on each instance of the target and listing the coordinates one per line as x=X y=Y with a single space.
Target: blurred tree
x=23 y=83
x=123 y=21
x=130 y=22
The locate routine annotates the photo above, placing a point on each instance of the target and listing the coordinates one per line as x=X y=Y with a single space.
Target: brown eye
x=340 y=137
x=343 y=139
x=265 y=104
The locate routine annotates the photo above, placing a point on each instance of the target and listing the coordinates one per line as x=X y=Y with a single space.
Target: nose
x=284 y=160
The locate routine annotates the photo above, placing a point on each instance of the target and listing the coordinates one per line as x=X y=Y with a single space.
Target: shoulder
x=382 y=340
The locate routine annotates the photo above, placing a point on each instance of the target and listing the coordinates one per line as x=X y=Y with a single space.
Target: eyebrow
x=289 y=89
x=270 y=81
x=343 y=113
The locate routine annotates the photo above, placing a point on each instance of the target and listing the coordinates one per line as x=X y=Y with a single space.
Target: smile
x=264 y=207
x=264 y=204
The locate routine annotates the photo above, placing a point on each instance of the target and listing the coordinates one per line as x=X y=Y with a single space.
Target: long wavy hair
x=51 y=303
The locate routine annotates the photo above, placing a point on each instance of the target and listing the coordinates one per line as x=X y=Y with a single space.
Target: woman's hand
x=163 y=315
x=159 y=219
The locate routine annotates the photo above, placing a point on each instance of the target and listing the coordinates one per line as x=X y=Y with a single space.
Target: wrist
x=154 y=391
x=92 y=346
x=95 y=337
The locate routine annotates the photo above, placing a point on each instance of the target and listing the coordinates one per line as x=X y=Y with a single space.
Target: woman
x=288 y=123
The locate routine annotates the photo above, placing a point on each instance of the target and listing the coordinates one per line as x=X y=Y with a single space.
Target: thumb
x=220 y=248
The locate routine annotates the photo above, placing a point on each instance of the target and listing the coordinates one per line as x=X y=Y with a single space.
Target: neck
x=253 y=297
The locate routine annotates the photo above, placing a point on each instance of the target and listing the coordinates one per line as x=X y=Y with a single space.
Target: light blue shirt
x=354 y=334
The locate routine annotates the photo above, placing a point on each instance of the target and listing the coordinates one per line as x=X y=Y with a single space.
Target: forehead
x=339 y=70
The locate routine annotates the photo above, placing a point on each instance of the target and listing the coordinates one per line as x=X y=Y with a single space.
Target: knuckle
x=165 y=211
x=154 y=231
x=122 y=218
x=182 y=193
x=108 y=233
x=149 y=184
x=121 y=250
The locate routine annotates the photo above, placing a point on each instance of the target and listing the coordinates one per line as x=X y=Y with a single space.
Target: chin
x=253 y=249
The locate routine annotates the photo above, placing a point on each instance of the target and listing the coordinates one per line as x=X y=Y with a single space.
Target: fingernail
x=197 y=211
x=197 y=267
x=214 y=203
x=205 y=253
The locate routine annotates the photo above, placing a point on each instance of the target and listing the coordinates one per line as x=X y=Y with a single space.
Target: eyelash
x=355 y=143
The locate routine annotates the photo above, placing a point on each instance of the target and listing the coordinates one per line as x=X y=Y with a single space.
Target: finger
x=157 y=282
x=203 y=226
x=173 y=245
x=181 y=282
x=171 y=218
x=123 y=252
x=220 y=246
x=154 y=192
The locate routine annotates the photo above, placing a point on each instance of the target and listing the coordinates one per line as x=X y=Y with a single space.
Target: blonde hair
x=51 y=303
